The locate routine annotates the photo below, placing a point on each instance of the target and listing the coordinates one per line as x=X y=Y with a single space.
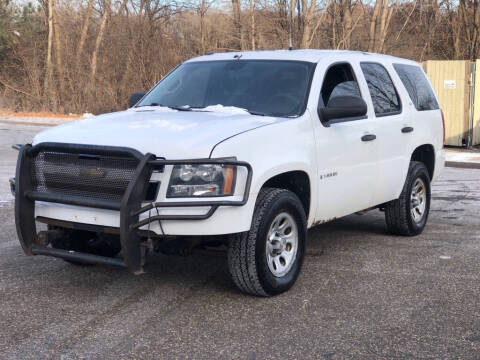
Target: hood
x=161 y=131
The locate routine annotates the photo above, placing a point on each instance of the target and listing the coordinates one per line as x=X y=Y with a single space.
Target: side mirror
x=340 y=107
x=135 y=98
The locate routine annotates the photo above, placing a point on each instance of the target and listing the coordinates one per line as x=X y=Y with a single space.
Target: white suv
x=247 y=150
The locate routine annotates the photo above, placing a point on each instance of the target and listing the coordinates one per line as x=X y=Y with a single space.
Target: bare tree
x=373 y=24
x=98 y=42
x=203 y=12
x=252 y=24
x=49 y=66
x=319 y=21
x=58 y=54
x=387 y=12
x=345 y=23
x=83 y=34
x=103 y=50
x=307 y=15
x=346 y=10
x=469 y=22
x=379 y=23
x=291 y=25
x=237 y=24
x=202 y=9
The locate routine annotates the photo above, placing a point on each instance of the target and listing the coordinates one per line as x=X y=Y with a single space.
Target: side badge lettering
x=328 y=175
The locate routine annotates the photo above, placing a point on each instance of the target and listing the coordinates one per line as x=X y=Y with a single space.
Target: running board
x=77 y=256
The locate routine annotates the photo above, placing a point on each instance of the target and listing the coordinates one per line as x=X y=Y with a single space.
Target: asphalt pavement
x=362 y=294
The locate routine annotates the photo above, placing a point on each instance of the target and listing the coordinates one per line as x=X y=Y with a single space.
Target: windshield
x=273 y=88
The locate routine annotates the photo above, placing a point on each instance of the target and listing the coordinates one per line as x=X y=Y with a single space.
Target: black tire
x=398 y=216
x=107 y=245
x=247 y=259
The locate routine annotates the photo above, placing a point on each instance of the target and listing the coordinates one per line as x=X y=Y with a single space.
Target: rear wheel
x=266 y=260
x=409 y=213
x=101 y=244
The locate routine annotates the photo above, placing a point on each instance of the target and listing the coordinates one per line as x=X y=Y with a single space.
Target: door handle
x=369 y=137
x=407 y=129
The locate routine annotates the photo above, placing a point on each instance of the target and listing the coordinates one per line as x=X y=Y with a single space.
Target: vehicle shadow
x=205 y=268
x=210 y=268
x=324 y=240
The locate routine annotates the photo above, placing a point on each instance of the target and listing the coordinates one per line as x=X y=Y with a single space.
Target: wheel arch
x=296 y=181
x=425 y=154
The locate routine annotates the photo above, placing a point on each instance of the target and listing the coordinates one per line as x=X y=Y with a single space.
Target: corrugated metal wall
x=450 y=79
x=476 y=105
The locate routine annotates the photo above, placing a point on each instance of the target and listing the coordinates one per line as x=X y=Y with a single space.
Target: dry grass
x=42 y=114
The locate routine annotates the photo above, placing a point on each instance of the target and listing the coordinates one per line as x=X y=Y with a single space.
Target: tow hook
x=46 y=237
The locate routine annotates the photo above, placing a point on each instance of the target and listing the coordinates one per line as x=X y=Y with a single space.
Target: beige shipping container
x=450 y=79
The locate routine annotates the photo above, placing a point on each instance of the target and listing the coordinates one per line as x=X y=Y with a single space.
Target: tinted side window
x=417 y=86
x=346 y=88
x=339 y=81
x=384 y=96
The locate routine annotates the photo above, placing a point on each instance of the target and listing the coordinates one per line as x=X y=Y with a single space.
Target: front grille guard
x=130 y=206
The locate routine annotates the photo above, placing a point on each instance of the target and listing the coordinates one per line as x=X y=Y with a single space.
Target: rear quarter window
x=418 y=87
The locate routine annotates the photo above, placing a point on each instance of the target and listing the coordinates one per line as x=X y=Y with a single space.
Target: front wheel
x=409 y=213
x=266 y=260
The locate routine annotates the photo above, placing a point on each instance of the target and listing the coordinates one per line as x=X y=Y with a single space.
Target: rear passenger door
x=392 y=130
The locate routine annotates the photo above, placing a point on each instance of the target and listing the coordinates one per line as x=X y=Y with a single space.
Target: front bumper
x=131 y=206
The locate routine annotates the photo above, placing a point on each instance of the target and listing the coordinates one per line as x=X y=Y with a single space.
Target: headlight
x=202 y=180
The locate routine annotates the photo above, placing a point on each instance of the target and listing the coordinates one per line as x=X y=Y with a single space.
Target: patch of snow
x=6 y=203
x=462 y=156
x=230 y=110
x=87 y=115
x=445 y=257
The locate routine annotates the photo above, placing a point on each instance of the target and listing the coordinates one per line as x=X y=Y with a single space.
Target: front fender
x=272 y=150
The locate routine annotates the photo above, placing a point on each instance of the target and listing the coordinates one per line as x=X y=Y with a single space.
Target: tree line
x=90 y=55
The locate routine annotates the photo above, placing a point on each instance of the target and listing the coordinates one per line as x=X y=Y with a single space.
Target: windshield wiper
x=173 y=107
x=257 y=113
x=187 y=108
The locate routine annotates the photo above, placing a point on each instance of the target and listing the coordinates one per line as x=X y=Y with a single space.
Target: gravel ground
x=362 y=293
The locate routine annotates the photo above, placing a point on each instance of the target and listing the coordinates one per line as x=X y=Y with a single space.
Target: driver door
x=347 y=158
